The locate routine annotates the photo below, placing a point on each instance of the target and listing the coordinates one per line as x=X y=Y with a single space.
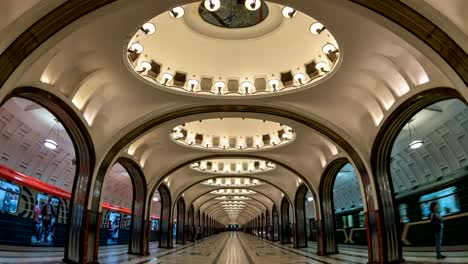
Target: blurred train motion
x=34 y=213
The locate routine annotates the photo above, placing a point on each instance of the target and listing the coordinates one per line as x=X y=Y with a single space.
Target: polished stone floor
x=225 y=248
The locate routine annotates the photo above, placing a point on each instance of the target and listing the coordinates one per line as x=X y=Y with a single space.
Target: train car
x=34 y=213
x=413 y=208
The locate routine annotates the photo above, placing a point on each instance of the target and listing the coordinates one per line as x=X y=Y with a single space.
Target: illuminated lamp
x=289 y=12
x=300 y=77
x=167 y=77
x=136 y=48
x=212 y=5
x=177 y=12
x=273 y=84
x=317 y=28
x=148 y=28
x=253 y=5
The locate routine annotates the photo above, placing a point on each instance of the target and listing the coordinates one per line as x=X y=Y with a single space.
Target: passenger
x=437 y=228
x=37 y=212
x=47 y=213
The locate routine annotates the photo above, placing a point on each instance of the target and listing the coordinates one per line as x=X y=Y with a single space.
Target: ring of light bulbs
x=233 y=182
x=188 y=138
x=232 y=166
x=233 y=192
x=246 y=87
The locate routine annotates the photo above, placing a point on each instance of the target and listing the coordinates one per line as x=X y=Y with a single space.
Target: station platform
x=226 y=248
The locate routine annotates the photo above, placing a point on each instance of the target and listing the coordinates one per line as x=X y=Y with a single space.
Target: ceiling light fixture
x=273 y=84
x=51 y=141
x=220 y=86
x=414 y=143
x=317 y=28
x=289 y=12
x=253 y=5
x=144 y=66
x=148 y=28
x=167 y=77
x=300 y=77
x=329 y=48
x=310 y=199
x=247 y=86
x=192 y=83
x=321 y=66
x=212 y=5
x=177 y=12
x=136 y=48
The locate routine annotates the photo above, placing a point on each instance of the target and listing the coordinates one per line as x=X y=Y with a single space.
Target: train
x=34 y=213
x=413 y=207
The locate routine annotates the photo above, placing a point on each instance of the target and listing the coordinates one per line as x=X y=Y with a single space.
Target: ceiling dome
x=224 y=48
x=232 y=134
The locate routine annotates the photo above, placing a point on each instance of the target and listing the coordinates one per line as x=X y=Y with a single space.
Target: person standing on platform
x=437 y=228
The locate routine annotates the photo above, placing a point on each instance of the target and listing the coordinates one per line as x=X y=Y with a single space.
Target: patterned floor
x=225 y=248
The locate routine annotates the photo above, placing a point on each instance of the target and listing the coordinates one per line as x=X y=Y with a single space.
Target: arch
x=267 y=225
x=191 y=224
x=79 y=219
x=300 y=238
x=285 y=229
x=326 y=225
x=165 y=237
x=275 y=224
x=380 y=162
x=138 y=242
x=180 y=228
x=202 y=224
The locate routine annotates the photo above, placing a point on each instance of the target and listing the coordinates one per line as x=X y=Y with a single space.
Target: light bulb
x=273 y=84
x=177 y=12
x=415 y=144
x=300 y=77
x=246 y=85
x=289 y=12
x=321 y=66
x=136 y=48
x=212 y=5
x=145 y=66
x=148 y=28
x=50 y=144
x=316 y=28
x=253 y=5
x=193 y=84
x=328 y=48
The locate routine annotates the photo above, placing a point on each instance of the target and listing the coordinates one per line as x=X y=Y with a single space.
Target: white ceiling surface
x=85 y=64
x=199 y=49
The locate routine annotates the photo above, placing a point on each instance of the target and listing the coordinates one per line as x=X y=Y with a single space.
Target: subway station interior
x=233 y=131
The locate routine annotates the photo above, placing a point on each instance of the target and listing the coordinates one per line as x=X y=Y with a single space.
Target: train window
x=345 y=223
x=447 y=199
x=114 y=226
x=45 y=219
x=403 y=209
x=350 y=221
x=362 y=219
x=9 y=197
x=154 y=225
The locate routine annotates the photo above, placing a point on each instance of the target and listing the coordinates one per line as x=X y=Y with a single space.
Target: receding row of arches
x=287 y=224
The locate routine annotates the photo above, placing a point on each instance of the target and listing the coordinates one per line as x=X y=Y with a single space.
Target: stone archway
x=180 y=233
x=300 y=238
x=165 y=237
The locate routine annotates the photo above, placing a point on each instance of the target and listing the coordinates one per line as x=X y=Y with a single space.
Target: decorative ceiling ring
x=246 y=204
x=192 y=203
x=155 y=183
x=236 y=182
x=250 y=206
x=232 y=134
x=232 y=166
x=150 y=123
x=214 y=25
x=235 y=213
